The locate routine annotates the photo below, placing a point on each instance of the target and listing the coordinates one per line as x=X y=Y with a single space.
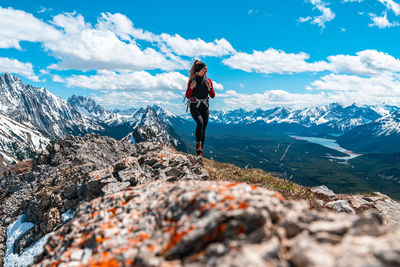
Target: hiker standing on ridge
x=198 y=89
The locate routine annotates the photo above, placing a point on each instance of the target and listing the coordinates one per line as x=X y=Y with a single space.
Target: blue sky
x=260 y=54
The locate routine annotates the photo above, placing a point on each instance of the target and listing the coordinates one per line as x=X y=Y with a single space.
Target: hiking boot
x=199 y=149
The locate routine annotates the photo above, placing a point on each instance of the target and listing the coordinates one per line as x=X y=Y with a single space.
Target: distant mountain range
x=45 y=116
x=330 y=118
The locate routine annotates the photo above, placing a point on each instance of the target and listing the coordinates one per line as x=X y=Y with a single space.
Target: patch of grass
x=229 y=172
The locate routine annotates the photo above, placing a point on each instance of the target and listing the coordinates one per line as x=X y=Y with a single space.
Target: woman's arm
x=211 y=90
x=189 y=90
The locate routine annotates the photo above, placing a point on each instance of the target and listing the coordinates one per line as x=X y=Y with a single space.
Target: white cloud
x=110 y=44
x=43 y=9
x=391 y=5
x=274 y=61
x=18 y=67
x=270 y=98
x=17 y=26
x=367 y=62
x=58 y=79
x=305 y=19
x=123 y=27
x=217 y=86
x=130 y=99
x=44 y=72
x=252 y=12
x=351 y=88
x=346 y=89
x=138 y=80
x=382 y=22
x=197 y=47
x=133 y=81
x=327 y=14
x=84 y=47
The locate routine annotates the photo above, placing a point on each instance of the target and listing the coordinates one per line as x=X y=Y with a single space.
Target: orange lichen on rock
x=100 y=239
x=84 y=239
x=232 y=185
x=228 y=198
x=106 y=225
x=243 y=205
x=93 y=214
x=176 y=237
x=48 y=248
x=280 y=196
x=128 y=262
x=104 y=263
x=55 y=264
x=221 y=229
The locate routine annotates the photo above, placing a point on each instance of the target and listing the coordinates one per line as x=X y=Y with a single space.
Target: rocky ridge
x=79 y=169
x=152 y=206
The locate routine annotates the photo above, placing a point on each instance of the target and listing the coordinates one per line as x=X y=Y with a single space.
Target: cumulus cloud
x=196 y=47
x=384 y=88
x=130 y=99
x=367 y=62
x=138 y=80
x=18 y=67
x=17 y=26
x=58 y=79
x=110 y=44
x=274 y=61
x=270 y=98
x=382 y=22
x=346 y=89
x=326 y=16
x=133 y=81
x=391 y=5
x=123 y=27
x=85 y=47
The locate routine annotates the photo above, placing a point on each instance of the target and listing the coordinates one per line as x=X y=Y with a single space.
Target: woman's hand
x=208 y=84
x=193 y=84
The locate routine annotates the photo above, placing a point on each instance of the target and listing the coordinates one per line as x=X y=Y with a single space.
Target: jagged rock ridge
x=79 y=169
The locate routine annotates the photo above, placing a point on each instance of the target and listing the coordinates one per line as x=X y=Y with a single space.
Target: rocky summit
x=149 y=205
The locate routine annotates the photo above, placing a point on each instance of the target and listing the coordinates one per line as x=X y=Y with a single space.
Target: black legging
x=200 y=115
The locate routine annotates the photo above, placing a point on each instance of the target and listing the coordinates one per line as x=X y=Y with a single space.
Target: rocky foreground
x=152 y=206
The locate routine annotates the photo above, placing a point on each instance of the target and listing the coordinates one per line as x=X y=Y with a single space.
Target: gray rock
x=112 y=188
x=341 y=206
x=323 y=190
x=359 y=202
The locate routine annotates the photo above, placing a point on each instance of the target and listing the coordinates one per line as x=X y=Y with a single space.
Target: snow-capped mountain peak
x=41 y=108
